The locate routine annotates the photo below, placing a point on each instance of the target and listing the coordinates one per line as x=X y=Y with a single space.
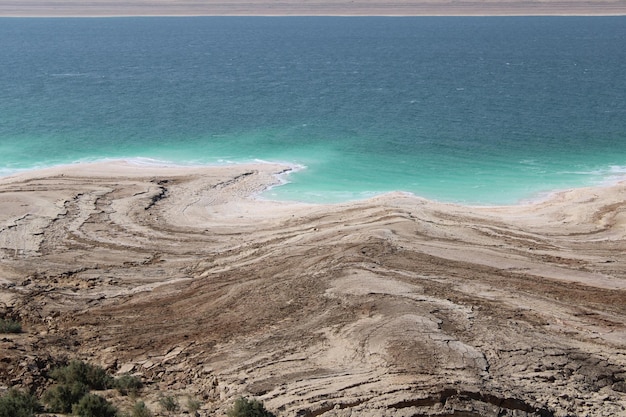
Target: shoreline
x=406 y=8
x=574 y=203
x=138 y=167
x=391 y=16
x=145 y=166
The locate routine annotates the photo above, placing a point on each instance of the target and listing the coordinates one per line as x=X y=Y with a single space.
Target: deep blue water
x=487 y=110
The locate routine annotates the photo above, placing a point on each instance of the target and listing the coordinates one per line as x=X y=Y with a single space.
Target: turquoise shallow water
x=472 y=110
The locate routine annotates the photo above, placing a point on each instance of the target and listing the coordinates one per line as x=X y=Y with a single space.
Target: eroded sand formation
x=394 y=306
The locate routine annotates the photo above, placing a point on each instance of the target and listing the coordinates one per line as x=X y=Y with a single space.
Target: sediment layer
x=393 y=306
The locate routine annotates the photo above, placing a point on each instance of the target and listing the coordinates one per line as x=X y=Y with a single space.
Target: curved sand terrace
x=393 y=306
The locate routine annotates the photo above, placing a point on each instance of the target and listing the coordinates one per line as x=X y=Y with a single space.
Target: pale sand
x=390 y=306
x=309 y=8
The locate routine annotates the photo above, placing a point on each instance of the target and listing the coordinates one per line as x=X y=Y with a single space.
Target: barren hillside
x=394 y=306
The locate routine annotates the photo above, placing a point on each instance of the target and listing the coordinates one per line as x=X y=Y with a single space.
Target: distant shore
x=112 y=8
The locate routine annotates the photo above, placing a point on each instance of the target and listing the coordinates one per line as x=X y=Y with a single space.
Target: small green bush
x=61 y=398
x=92 y=405
x=193 y=405
x=77 y=371
x=248 y=408
x=140 y=410
x=169 y=404
x=10 y=326
x=18 y=404
x=128 y=384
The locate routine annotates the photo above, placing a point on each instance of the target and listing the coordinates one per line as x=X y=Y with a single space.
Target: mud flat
x=393 y=306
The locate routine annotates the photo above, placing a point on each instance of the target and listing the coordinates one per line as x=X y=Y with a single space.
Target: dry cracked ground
x=393 y=306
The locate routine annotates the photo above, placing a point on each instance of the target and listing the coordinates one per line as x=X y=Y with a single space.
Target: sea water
x=476 y=110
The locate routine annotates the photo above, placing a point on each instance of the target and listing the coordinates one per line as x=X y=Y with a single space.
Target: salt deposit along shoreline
x=390 y=306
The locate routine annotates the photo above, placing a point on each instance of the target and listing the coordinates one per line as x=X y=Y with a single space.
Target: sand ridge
x=390 y=306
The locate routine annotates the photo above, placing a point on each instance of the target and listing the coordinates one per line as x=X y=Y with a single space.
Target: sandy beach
x=392 y=306
x=48 y=8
